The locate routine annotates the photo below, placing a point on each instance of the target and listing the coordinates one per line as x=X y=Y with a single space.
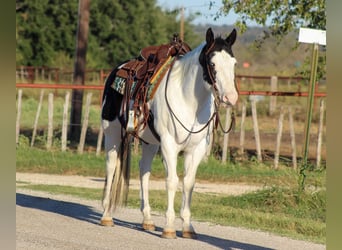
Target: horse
x=183 y=110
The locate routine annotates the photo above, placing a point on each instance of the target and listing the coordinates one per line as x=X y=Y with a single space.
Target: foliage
x=284 y=16
x=281 y=18
x=46 y=31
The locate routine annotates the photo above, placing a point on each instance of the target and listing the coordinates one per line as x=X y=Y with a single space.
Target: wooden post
x=85 y=124
x=256 y=130
x=17 y=124
x=293 y=140
x=210 y=146
x=279 y=134
x=320 y=132
x=22 y=73
x=242 y=129
x=99 y=141
x=273 y=99
x=50 y=122
x=79 y=68
x=65 y=121
x=226 y=136
x=34 y=132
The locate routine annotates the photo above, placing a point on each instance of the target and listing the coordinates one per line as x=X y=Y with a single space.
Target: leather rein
x=217 y=103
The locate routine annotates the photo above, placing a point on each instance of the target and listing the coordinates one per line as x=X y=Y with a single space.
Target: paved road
x=46 y=221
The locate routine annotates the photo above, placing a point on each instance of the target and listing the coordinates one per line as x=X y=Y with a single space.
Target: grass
x=71 y=163
x=276 y=210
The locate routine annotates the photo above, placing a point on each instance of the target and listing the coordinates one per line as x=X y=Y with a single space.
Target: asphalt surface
x=47 y=221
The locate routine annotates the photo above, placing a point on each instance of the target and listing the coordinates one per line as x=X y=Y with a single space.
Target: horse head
x=218 y=63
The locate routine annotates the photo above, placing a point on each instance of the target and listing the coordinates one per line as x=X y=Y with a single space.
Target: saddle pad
x=119 y=83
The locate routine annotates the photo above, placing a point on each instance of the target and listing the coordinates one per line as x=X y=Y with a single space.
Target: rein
x=215 y=114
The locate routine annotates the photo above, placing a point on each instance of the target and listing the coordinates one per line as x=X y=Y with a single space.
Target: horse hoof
x=107 y=222
x=189 y=235
x=149 y=226
x=168 y=234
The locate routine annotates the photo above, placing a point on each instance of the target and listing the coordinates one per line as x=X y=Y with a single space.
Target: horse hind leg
x=112 y=146
x=148 y=152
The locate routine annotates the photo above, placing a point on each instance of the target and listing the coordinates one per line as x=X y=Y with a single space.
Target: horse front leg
x=191 y=162
x=170 y=164
x=148 y=152
x=112 y=143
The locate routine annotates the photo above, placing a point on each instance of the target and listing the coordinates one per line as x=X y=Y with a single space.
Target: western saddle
x=142 y=76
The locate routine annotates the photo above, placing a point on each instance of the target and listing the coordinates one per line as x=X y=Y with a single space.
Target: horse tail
x=120 y=185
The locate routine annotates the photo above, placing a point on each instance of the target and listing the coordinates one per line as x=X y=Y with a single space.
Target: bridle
x=217 y=101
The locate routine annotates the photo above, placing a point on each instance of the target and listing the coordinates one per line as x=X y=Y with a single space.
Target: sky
x=207 y=16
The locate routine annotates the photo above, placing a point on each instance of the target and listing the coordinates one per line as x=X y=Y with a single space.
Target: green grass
x=71 y=163
x=276 y=210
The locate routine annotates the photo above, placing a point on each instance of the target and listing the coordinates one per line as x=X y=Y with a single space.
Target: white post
x=50 y=121
x=34 y=132
x=99 y=141
x=242 y=128
x=293 y=139
x=279 y=134
x=228 y=120
x=256 y=130
x=65 y=121
x=273 y=99
x=320 y=132
x=85 y=124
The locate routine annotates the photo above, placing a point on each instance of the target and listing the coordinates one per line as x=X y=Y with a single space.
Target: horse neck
x=196 y=94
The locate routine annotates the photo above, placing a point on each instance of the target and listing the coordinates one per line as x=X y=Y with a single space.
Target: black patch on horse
x=213 y=45
x=111 y=99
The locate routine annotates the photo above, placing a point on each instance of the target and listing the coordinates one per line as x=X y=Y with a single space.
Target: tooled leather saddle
x=138 y=79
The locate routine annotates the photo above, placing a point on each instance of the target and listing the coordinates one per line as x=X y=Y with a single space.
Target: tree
x=118 y=30
x=284 y=16
x=44 y=28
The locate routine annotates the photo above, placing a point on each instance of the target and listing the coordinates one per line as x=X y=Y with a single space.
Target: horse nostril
x=230 y=99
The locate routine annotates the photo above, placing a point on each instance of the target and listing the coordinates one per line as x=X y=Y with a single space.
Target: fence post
x=279 y=134
x=242 y=128
x=99 y=141
x=34 y=132
x=85 y=124
x=256 y=130
x=50 y=121
x=293 y=140
x=320 y=132
x=226 y=135
x=65 y=121
x=17 y=124
x=273 y=99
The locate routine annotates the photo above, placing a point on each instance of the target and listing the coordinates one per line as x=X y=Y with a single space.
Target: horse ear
x=231 y=38
x=209 y=36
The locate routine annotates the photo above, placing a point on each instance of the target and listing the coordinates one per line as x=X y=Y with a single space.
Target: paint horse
x=183 y=109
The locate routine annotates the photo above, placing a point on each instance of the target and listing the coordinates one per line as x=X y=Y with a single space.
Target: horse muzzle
x=229 y=100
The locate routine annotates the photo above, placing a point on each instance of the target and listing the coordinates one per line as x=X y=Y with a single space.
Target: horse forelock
x=221 y=44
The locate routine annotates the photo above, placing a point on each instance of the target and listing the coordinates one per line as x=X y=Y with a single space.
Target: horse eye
x=212 y=64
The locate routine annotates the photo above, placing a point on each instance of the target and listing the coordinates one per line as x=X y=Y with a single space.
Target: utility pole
x=79 y=68
x=182 y=24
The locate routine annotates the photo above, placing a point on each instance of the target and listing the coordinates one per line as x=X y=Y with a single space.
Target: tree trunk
x=79 y=69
